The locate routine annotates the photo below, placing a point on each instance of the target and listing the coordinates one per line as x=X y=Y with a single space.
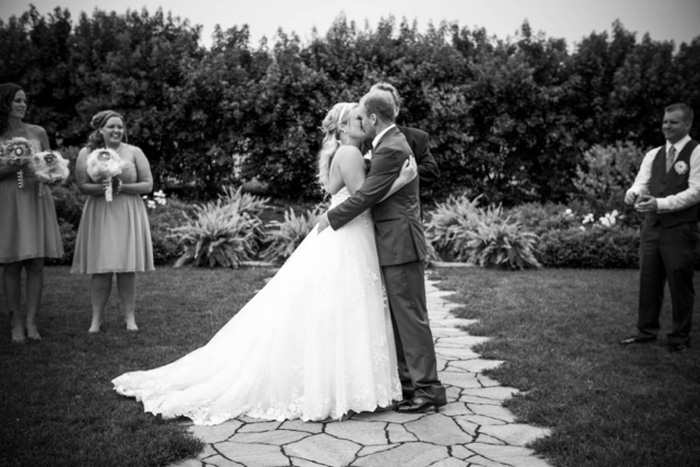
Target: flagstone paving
x=472 y=430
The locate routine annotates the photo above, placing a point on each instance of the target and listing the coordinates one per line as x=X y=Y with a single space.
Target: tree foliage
x=511 y=120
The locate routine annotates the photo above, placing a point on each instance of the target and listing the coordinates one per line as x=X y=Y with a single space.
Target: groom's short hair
x=381 y=104
x=383 y=86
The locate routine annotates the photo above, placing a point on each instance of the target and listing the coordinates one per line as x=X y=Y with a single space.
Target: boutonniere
x=368 y=155
x=681 y=167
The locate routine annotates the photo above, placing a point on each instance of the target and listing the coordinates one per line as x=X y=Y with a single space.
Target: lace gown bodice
x=340 y=196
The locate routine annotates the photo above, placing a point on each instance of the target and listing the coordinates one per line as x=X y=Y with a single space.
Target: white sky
x=677 y=20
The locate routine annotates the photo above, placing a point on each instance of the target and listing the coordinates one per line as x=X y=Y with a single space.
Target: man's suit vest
x=665 y=184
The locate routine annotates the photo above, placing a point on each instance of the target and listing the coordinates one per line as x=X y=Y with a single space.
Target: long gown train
x=316 y=342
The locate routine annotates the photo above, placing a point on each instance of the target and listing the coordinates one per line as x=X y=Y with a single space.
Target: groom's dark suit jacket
x=397 y=221
x=418 y=140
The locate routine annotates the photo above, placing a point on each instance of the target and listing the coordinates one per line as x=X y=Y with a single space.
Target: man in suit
x=418 y=140
x=667 y=189
x=401 y=247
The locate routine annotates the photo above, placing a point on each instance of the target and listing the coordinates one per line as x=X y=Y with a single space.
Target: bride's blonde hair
x=337 y=116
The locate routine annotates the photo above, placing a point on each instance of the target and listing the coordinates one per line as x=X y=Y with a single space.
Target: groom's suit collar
x=377 y=138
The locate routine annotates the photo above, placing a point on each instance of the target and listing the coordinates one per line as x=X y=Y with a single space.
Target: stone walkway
x=472 y=430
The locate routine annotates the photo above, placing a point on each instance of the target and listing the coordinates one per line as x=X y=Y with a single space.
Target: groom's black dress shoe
x=677 y=347
x=638 y=340
x=418 y=404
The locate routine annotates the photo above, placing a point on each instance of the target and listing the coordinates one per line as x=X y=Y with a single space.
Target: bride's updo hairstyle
x=331 y=127
x=99 y=120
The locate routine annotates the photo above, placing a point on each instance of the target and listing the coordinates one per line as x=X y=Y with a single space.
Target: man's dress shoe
x=677 y=347
x=418 y=404
x=637 y=340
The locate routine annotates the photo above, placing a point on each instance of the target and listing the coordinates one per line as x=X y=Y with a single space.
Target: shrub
x=502 y=245
x=448 y=220
x=218 y=236
x=597 y=247
x=541 y=218
x=69 y=203
x=249 y=204
x=222 y=233
x=68 y=235
x=284 y=237
x=605 y=176
x=163 y=218
x=460 y=230
x=67 y=198
x=243 y=202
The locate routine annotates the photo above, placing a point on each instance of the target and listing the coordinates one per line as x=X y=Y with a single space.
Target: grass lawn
x=557 y=331
x=57 y=406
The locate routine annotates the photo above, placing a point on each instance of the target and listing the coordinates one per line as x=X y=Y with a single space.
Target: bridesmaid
x=28 y=226
x=113 y=237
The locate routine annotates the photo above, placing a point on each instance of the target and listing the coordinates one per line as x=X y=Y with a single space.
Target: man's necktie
x=669 y=158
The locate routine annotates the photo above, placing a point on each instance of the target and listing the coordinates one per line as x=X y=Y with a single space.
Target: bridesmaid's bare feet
x=94 y=328
x=18 y=334
x=33 y=332
x=131 y=326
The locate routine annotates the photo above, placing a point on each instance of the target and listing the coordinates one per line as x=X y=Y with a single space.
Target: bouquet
x=102 y=165
x=50 y=167
x=17 y=152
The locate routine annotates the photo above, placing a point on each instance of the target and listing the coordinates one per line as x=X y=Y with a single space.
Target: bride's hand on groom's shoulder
x=409 y=170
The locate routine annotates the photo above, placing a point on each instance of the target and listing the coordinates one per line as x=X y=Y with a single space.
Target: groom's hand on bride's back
x=323 y=222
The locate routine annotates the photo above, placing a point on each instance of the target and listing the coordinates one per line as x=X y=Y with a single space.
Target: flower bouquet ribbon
x=102 y=165
x=50 y=167
x=17 y=152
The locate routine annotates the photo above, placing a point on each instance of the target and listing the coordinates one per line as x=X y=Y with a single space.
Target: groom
x=401 y=247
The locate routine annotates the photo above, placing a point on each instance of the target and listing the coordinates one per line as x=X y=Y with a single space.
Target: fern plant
x=243 y=202
x=462 y=235
x=223 y=233
x=449 y=219
x=284 y=237
x=459 y=228
x=501 y=245
x=246 y=203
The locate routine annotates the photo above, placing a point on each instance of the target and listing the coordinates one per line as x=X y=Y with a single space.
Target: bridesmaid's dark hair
x=7 y=95
x=99 y=120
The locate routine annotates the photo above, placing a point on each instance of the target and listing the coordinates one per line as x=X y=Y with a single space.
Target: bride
x=316 y=342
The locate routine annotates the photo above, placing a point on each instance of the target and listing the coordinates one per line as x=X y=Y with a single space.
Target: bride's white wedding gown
x=315 y=342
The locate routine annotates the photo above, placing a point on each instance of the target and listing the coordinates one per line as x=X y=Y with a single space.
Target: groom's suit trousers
x=405 y=287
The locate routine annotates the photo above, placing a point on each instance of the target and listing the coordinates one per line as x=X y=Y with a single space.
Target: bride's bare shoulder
x=347 y=153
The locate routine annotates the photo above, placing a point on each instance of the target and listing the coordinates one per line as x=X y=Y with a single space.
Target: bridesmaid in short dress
x=114 y=237
x=28 y=226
